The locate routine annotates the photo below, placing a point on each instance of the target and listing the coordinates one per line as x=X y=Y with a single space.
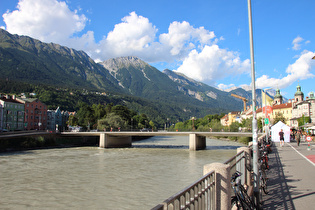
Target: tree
x=247 y=124
x=73 y=120
x=151 y=123
x=279 y=117
x=110 y=121
x=303 y=120
x=234 y=127
x=85 y=115
x=180 y=126
x=99 y=111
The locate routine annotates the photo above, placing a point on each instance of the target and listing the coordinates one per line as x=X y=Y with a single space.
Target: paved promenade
x=291 y=176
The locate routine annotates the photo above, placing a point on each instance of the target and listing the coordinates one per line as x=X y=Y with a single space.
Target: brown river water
x=92 y=178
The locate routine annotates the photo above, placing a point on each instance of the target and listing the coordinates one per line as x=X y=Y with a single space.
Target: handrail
x=202 y=193
x=199 y=195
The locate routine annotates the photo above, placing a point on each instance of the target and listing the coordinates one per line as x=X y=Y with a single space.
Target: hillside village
x=291 y=111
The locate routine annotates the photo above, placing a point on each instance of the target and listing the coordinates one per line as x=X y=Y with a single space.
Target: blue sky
x=206 y=40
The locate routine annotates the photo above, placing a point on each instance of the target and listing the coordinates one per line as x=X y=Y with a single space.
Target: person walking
x=281 y=134
x=298 y=136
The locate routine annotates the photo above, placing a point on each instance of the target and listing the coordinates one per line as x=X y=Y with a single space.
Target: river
x=92 y=178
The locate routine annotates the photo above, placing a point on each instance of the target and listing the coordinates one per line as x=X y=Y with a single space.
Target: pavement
x=291 y=177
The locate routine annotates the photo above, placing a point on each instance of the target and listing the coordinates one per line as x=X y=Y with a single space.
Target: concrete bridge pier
x=109 y=141
x=196 y=142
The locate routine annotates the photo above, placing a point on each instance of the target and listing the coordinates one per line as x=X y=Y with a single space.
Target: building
x=302 y=108
x=51 y=122
x=284 y=109
x=293 y=110
x=57 y=119
x=12 y=118
x=229 y=118
x=35 y=117
x=278 y=99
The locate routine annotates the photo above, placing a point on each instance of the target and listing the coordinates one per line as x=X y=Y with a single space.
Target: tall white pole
x=254 y=124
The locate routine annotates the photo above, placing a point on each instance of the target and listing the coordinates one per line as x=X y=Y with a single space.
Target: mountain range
x=27 y=60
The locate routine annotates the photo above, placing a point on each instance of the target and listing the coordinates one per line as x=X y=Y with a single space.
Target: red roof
x=282 y=106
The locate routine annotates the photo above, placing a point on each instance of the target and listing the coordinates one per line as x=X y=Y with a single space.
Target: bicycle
x=241 y=199
x=263 y=165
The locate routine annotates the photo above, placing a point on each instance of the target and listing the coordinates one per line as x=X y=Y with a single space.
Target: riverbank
x=40 y=142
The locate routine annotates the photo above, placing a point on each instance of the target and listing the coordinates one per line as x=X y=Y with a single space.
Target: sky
x=207 y=40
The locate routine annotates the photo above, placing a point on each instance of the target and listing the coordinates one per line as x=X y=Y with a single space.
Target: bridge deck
x=164 y=133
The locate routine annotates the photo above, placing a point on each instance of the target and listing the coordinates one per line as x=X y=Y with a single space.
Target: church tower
x=298 y=96
x=278 y=98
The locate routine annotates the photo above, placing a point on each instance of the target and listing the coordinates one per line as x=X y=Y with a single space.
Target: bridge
x=197 y=140
x=122 y=139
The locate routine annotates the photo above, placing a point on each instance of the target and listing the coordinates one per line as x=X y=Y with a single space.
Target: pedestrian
x=298 y=136
x=281 y=134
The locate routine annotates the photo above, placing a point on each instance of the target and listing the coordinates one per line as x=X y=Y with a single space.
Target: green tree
x=73 y=120
x=303 y=120
x=215 y=125
x=180 y=126
x=247 y=124
x=85 y=115
x=99 y=111
x=152 y=125
x=234 y=127
x=279 y=117
x=110 y=121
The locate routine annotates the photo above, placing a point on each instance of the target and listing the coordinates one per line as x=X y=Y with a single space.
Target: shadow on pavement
x=279 y=192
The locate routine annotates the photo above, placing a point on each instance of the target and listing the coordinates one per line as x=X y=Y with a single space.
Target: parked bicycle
x=241 y=199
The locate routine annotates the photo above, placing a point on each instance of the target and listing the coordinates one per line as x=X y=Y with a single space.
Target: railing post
x=246 y=179
x=222 y=184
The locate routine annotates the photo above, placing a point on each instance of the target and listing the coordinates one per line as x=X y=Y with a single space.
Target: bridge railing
x=199 y=195
x=207 y=192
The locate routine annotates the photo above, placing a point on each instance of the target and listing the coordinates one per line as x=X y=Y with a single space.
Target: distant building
x=284 y=109
x=302 y=108
x=12 y=113
x=35 y=117
x=293 y=110
x=57 y=119
x=278 y=99
x=229 y=118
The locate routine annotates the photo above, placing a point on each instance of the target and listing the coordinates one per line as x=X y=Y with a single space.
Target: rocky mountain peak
x=115 y=64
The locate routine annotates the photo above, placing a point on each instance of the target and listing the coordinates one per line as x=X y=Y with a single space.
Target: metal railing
x=202 y=194
x=240 y=162
x=199 y=195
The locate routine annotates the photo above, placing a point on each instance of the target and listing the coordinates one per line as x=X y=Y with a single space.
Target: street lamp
x=254 y=124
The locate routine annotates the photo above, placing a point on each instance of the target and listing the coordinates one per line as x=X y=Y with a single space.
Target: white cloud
x=181 y=36
x=134 y=34
x=212 y=64
x=46 y=20
x=300 y=70
x=297 y=43
x=225 y=87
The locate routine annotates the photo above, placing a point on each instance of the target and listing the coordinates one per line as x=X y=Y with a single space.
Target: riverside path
x=291 y=182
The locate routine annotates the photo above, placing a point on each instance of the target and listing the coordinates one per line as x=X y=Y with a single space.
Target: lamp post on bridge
x=254 y=124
